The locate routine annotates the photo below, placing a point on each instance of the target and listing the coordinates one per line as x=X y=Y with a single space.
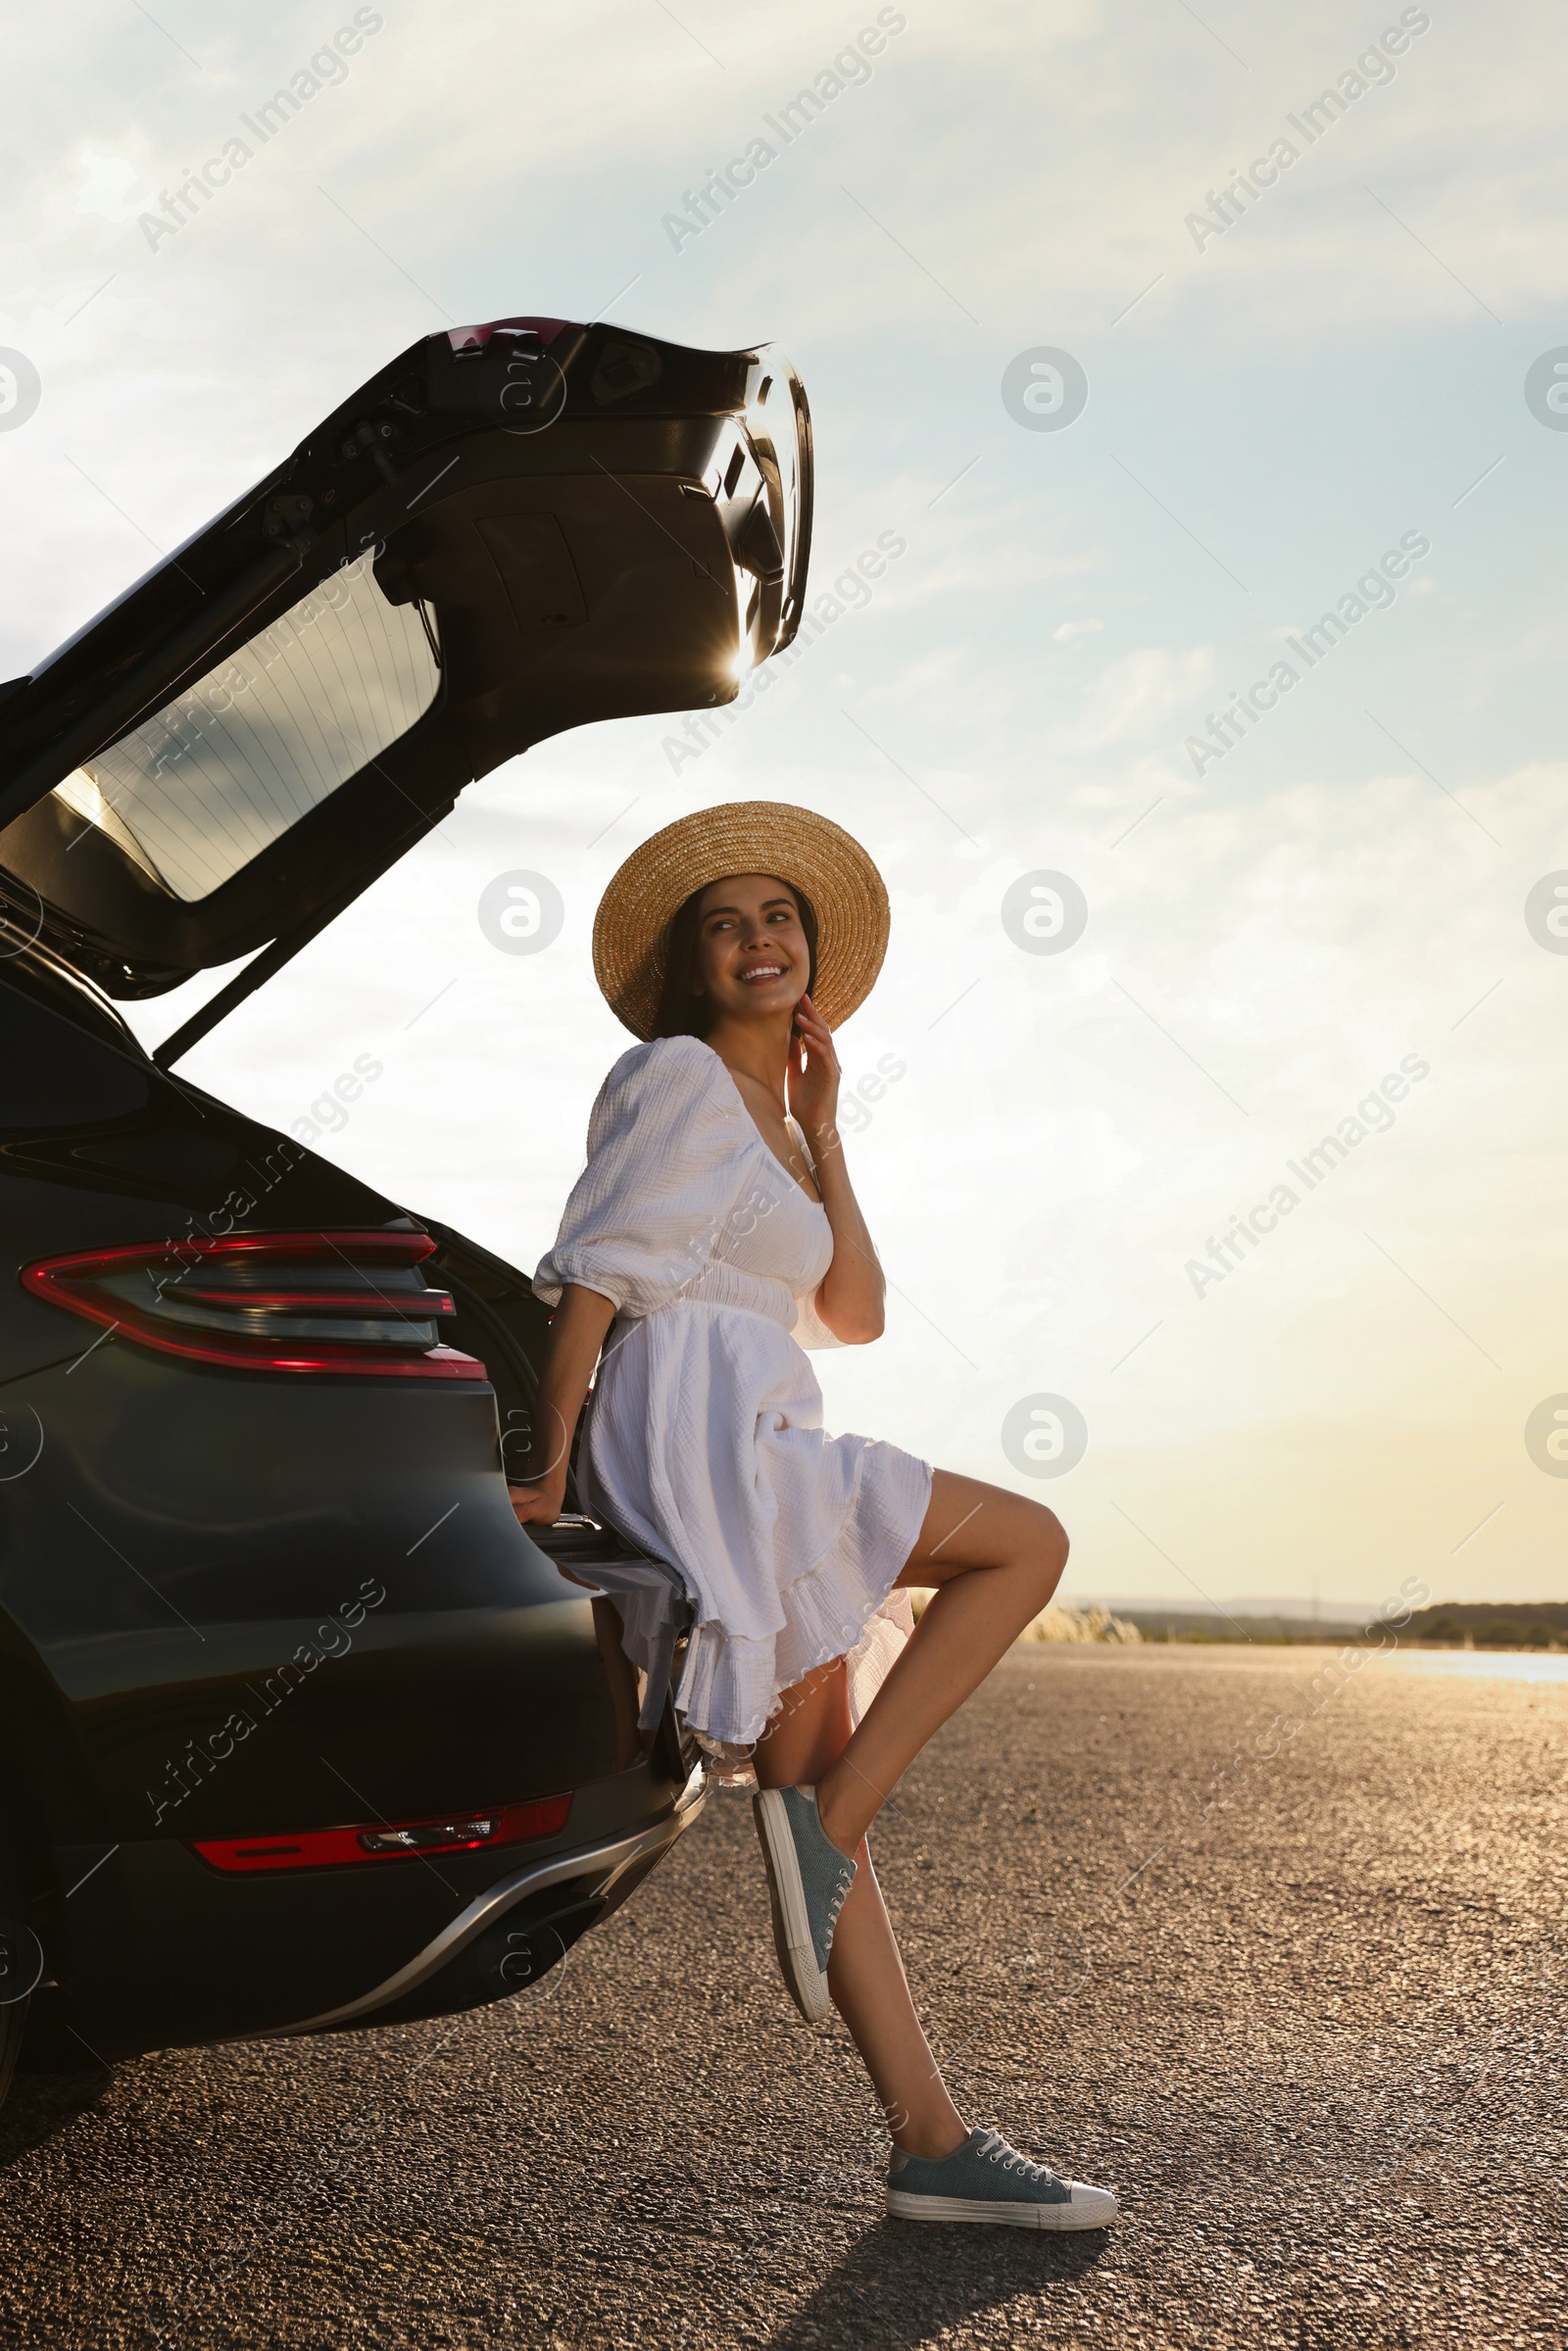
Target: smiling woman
x=701 y=920
x=712 y=1237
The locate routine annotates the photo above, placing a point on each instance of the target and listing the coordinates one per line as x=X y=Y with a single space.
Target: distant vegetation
x=1176 y=1624
x=1492 y=1625
x=1064 y=1624
x=1079 y=1624
x=1450 y=1624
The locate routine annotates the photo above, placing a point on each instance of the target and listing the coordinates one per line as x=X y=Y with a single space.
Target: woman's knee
x=1046 y=1547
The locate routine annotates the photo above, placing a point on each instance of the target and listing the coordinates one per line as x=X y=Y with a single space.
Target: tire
x=13 y=2026
x=20 y=1963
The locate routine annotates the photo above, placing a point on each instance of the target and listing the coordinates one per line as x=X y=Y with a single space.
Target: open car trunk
x=510 y=530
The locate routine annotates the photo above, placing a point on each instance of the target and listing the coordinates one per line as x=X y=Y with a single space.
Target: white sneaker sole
x=1096 y=2210
x=804 y=1980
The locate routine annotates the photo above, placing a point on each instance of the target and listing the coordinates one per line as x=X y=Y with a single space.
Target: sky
x=1305 y=391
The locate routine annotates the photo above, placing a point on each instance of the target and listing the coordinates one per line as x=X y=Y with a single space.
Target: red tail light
x=385 y=1840
x=269 y=1301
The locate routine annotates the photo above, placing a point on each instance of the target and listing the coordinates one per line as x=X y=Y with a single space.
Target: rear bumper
x=156 y=1949
x=595 y=1878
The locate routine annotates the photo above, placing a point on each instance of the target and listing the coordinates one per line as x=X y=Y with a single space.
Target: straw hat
x=631 y=929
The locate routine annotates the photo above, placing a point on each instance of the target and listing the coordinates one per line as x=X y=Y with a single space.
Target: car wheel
x=13 y=2025
x=21 y=1964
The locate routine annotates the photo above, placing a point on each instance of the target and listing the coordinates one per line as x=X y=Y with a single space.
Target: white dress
x=704 y=1443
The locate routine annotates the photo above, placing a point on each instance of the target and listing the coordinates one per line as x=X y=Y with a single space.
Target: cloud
x=108 y=183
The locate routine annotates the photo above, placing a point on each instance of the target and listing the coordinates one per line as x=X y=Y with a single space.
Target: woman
x=715 y=1229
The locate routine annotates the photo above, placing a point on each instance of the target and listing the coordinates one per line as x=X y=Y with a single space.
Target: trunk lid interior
x=510 y=530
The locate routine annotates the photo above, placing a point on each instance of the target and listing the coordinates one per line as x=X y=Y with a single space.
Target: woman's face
x=751 y=952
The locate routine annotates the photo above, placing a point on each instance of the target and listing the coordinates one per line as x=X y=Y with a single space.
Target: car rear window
x=197 y=792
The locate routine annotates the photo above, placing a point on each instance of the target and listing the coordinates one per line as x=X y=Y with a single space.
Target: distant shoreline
x=1525 y=1629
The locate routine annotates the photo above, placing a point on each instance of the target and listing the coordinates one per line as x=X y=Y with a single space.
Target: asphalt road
x=1316 y=2044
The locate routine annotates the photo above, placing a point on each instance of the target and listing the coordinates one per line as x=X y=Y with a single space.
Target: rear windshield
x=194 y=794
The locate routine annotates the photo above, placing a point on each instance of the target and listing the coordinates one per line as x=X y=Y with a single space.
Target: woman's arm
x=853 y=1292
x=576 y=1334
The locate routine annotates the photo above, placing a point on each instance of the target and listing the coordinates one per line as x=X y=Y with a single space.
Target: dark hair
x=682 y=1010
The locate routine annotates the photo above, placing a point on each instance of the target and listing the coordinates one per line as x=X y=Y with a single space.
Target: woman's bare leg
x=996 y=1558
x=866 y=1974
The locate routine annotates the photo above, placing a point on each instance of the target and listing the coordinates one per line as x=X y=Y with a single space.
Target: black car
x=299 y=1729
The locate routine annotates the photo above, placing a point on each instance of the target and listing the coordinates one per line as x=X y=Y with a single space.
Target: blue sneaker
x=987 y=2179
x=808 y=1879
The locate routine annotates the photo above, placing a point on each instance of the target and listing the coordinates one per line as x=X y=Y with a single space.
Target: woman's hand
x=813 y=1076
x=851 y=1295
x=539 y=1505
x=538 y=1501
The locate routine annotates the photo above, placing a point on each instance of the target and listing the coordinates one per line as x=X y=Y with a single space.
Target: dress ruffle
x=732 y=1681
x=705 y=1448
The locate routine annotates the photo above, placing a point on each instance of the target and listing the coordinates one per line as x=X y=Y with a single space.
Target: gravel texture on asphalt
x=1303 y=2009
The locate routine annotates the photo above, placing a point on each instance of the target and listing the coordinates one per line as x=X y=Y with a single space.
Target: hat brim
x=813 y=853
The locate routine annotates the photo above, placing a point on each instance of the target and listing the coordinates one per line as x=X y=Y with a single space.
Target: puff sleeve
x=665 y=1162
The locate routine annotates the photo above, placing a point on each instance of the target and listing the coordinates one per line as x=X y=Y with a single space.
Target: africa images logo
x=1044 y=389
x=522 y=913
x=326 y=69
x=1374 y=591
x=1044 y=1436
x=21 y=389
x=1374 y=68
x=1044 y=912
x=1373 y=1114
x=850 y=70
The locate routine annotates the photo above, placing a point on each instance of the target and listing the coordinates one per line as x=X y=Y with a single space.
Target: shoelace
x=839 y=1900
x=995 y=2149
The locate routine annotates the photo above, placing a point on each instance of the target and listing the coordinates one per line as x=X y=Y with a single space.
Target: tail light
x=354 y=1302
x=385 y=1841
